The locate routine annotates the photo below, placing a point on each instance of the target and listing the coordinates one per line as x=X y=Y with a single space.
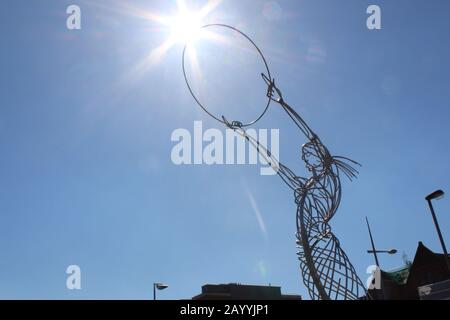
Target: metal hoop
x=223 y=120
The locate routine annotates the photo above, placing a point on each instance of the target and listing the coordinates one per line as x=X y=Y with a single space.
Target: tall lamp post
x=158 y=286
x=374 y=250
x=438 y=195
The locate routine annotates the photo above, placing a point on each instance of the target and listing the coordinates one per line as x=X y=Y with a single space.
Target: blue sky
x=85 y=171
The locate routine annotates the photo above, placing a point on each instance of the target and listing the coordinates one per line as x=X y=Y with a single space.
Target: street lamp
x=438 y=195
x=158 y=286
x=391 y=251
x=375 y=251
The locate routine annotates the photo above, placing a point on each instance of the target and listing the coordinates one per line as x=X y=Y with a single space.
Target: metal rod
x=439 y=234
x=374 y=251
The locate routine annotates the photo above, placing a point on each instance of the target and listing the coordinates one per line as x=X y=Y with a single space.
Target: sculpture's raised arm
x=274 y=93
x=314 y=152
x=287 y=175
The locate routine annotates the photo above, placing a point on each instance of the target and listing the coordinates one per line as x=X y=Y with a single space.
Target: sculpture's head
x=316 y=157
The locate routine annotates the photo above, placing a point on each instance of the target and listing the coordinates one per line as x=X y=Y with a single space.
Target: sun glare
x=185 y=26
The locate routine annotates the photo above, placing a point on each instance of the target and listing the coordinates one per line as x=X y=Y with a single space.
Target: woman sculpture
x=326 y=269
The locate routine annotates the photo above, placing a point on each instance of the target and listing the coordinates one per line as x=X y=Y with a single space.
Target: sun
x=185 y=26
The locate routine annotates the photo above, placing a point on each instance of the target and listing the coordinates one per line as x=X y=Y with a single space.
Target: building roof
x=427 y=268
x=399 y=275
x=235 y=291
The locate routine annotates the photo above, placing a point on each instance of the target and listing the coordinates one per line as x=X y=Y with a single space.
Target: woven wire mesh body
x=326 y=270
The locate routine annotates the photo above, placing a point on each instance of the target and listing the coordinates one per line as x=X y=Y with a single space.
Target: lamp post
x=375 y=251
x=158 y=286
x=438 y=194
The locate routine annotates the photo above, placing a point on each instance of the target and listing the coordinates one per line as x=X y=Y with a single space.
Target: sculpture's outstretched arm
x=287 y=175
x=314 y=147
x=275 y=95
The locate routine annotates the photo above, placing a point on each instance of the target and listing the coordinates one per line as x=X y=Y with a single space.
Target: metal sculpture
x=326 y=270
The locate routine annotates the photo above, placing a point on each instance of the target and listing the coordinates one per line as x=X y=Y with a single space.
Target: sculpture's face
x=311 y=155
